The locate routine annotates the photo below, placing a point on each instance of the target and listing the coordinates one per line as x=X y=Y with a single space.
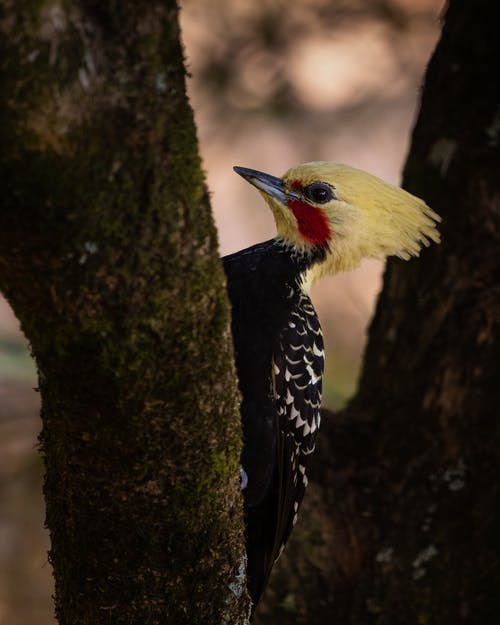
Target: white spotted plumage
x=298 y=361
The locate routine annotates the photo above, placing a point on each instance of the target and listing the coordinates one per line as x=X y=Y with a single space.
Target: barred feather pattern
x=298 y=363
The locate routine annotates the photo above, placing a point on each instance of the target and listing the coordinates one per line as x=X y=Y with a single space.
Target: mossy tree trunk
x=402 y=522
x=108 y=256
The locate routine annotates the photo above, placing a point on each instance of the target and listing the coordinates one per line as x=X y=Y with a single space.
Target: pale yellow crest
x=368 y=217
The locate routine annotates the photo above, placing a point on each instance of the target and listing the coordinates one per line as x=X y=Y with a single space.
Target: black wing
x=279 y=358
x=298 y=363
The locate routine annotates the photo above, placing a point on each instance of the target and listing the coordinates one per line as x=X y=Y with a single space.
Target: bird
x=328 y=217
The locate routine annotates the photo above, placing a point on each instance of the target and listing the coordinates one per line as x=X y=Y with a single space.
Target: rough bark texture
x=108 y=256
x=402 y=520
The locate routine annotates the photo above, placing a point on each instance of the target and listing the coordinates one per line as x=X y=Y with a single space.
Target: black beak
x=275 y=187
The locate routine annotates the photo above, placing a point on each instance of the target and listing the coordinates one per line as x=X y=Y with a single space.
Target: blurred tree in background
x=285 y=62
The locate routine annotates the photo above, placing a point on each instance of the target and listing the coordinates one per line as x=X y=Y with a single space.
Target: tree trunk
x=108 y=256
x=401 y=524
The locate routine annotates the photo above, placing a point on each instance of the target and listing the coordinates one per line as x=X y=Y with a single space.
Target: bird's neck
x=305 y=262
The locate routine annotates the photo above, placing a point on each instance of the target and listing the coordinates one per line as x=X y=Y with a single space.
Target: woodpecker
x=328 y=217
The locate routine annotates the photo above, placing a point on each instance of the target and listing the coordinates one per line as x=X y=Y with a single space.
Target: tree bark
x=401 y=522
x=108 y=256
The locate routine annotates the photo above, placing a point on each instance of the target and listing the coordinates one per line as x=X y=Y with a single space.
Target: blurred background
x=273 y=84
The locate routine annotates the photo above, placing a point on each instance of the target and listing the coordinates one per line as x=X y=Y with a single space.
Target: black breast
x=279 y=359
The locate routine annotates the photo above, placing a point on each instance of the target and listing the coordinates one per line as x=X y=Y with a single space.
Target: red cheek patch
x=312 y=222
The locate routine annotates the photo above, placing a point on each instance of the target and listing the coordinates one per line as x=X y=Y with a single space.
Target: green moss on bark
x=108 y=256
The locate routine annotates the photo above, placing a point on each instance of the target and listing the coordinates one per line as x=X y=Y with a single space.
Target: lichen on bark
x=108 y=256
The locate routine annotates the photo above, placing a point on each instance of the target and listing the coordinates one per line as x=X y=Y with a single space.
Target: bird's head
x=347 y=212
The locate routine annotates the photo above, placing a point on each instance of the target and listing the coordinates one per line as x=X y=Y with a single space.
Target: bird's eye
x=319 y=192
